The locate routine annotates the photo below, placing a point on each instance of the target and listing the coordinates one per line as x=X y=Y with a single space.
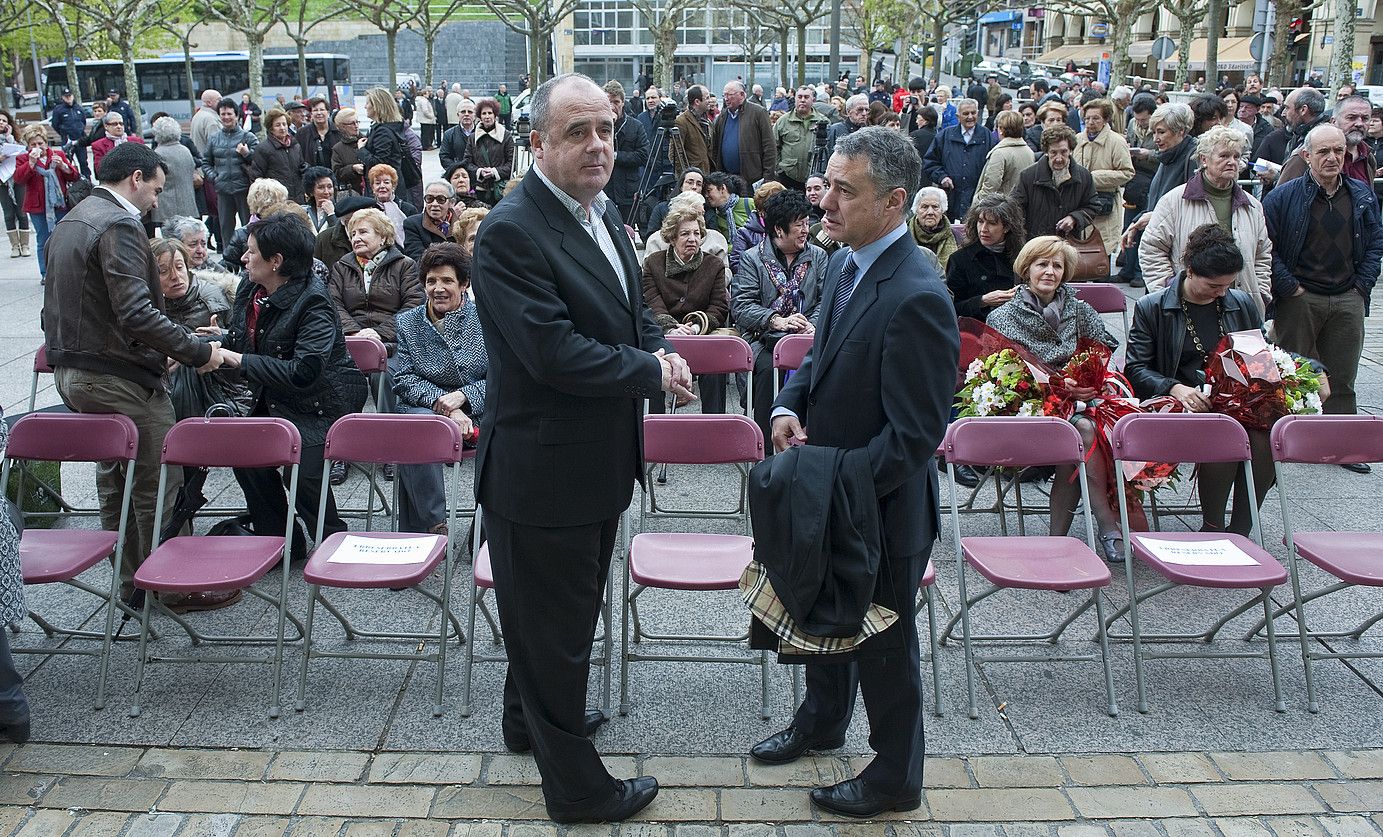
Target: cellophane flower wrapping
x=1301 y=383
x=1245 y=380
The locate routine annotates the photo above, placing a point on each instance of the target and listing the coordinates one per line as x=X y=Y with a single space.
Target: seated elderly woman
x=1174 y=330
x=319 y=197
x=460 y=181
x=193 y=234
x=384 y=183
x=685 y=290
x=777 y=290
x=980 y=275
x=1046 y=318
x=753 y=231
x=930 y=228
x=263 y=194
x=286 y=341
x=466 y=225
x=1211 y=197
x=714 y=244
x=433 y=224
x=439 y=368
x=369 y=287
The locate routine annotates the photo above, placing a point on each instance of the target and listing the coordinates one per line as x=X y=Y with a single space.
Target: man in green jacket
x=794 y=134
x=506 y=104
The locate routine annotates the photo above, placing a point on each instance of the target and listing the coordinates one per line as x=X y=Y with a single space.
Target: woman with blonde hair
x=464 y=228
x=262 y=194
x=386 y=144
x=1047 y=318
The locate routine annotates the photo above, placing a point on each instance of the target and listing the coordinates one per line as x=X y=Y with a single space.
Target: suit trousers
x=152 y=413
x=1331 y=330
x=550 y=588
x=228 y=205
x=892 y=688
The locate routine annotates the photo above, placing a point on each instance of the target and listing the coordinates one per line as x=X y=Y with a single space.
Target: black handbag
x=1104 y=203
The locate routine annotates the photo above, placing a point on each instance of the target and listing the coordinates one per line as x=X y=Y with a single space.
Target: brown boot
x=211 y=600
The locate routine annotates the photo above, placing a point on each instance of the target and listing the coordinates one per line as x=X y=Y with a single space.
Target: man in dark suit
x=880 y=376
x=573 y=353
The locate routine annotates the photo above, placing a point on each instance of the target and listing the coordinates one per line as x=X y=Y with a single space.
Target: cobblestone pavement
x=368 y=757
x=53 y=789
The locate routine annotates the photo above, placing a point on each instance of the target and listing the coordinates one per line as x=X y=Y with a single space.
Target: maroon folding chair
x=927 y=598
x=192 y=563
x=1105 y=298
x=53 y=556
x=1351 y=557
x=1051 y=563
x=788 y=354
x=371 y=358
x=1199 y=438
x=400 y=439
x=691 y=561
x=717 y=354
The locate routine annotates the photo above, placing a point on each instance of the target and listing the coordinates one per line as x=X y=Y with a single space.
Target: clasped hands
x=795 y=323
x=677 y=378
x=219 y=356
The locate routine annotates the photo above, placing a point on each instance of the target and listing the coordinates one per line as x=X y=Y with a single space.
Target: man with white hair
x=454 y=100
x=957 y=157
x=205 y=122
x=856 y=117
x=1122 y=99
x=756 y=95
x=742 y=137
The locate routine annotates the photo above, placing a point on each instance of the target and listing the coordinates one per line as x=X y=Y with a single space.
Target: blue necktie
x=844 y=289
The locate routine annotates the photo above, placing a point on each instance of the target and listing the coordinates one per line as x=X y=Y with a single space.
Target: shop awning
x=1140 y=50
x=1079 y=53
x=1232 y=55
x=1007 y=16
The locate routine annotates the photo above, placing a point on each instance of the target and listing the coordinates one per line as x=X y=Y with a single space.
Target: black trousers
x=712 y=396
x=550 y=586
x=267 y=498
x=892 y=688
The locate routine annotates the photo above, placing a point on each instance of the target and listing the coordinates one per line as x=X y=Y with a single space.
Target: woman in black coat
x=279 y=157
x=1056 y=193
x=980 y=275
x=286 y=341
x=386 y=144
x=1173 y=332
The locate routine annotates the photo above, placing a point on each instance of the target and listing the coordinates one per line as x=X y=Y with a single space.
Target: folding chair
x=1351 y=557
x=685 y=560
x=41 y=487
x=483 y=579
x=1026 y=562
x=927 y=598
x=788 y=354
x=191 y=563
x=371 y=358
x=717 y=354
x=1200 y=438
x=1105 y=298
x=400 y=439
x=49 y=556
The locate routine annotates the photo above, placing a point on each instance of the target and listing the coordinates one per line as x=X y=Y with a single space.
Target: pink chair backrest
x=74 y=437
x=1104 y=297
x=233 y=443
x=1328 y=440
x=369 y=354
x=790 y=350
x=713 y=354
x=1180 y=437
x=1013 y=442
x=41 y=360
x=691 y=439
x=958 y=233
x=405 y=439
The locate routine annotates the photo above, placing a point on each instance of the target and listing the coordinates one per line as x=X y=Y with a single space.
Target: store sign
x=1099 y=30
x=1037 y=13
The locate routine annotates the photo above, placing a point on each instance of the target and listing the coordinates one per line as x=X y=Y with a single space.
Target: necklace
x=1191 y=324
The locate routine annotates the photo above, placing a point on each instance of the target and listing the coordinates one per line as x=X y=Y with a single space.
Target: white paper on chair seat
x=357 y=550
x=1218 y=553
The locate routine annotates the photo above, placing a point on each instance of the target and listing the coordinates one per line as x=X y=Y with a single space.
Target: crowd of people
x=251 y=258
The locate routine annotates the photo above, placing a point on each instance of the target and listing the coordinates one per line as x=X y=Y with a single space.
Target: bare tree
x=796 y=16
x=873 y=26
x=935 y=16
x=756 y=36
x=1119 y=15
x=73 y=26
x=1342 y=54
x=663 y=18
x=252 y=19
x=430 y=23
x=123 y=22
x=180 y=25
x=1188 y=13
x=300 y=17
x=536 y=20
x=388 y=16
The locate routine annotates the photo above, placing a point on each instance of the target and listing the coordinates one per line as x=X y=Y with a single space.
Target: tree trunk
x=664 y=48
x=301 y=44
x=1120 y=63
x=1342 y=57
x=801 y=54
x=783 y=55
x=1283 y=58
x=429 y=52
x=70 y=56
x=391 y=37
x=751 y=60
x=256 y=45
x=126 y=46
x=1212 y=45
x=1186 y=29
x=938 y=35
x=192 y=92
x=536 y=54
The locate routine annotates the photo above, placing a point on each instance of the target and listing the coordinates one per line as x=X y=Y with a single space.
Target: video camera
x=522 y=129
x=667 y=114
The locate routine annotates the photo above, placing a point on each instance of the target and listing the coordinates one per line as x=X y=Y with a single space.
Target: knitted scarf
x=788 y=283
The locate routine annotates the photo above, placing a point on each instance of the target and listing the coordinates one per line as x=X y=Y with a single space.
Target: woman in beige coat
x=1210 y=197
x=1105 y=153
x=1007 y=159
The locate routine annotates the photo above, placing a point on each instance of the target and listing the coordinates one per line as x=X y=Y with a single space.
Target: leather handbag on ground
x=1092 y=262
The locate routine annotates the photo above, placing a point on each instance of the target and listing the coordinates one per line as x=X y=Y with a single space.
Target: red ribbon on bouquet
x=1245 y=382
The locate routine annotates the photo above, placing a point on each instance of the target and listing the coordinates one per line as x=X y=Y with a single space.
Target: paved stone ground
x=368 y=758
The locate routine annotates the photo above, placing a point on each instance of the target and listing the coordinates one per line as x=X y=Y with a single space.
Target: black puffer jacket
x=283 y=163
x=298 y=367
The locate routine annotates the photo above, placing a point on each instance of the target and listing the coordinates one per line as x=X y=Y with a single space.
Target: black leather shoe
x=18 y=731
x=595 y=719
x=1358 y=467
x=789 y=745
x=338 y=472
x=631 y=796
x=967 y=476
x=854 y=798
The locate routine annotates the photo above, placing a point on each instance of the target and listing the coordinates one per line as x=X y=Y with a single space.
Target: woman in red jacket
x=45 y=173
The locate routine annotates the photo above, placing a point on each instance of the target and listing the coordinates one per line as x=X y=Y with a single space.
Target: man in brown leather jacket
x=108 y=339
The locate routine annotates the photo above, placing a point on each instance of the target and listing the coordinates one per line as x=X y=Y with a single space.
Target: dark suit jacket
x=569 y=364
x=884 y=381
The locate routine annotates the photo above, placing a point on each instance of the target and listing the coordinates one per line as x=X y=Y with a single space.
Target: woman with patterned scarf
x=439 y=368
x=777 y=290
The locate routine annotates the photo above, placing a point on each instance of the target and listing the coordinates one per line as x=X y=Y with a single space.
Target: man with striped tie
x=880 y=376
